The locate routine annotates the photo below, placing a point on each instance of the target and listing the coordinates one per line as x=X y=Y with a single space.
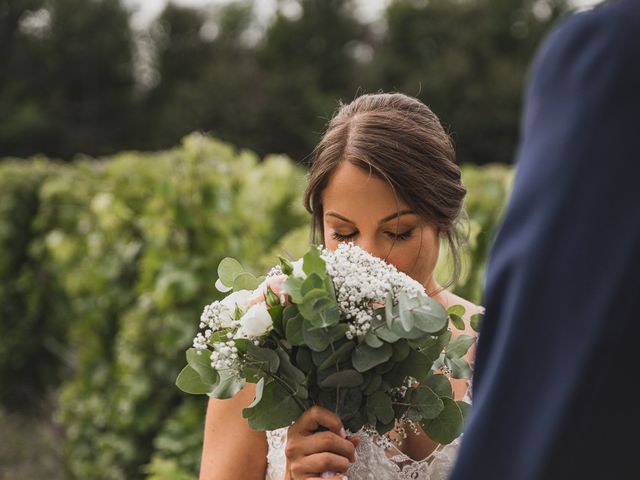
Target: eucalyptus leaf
x=319 y=339
x=312 y=282
x=342 y=353
x=476 y=321
x=457 y=321
x=380 y=405
x=228 y=386
x=292 y=287
x=265 y=358
x=459 y=367
x=431 y=347
x=313 y=263
x=228 y=269
x=459 y=346
x=245 y=281
x=404 y=310
x=365 y=357
x=372 y=340
x=400 y=351
x=201 y=363
x=259 y=389
x=342 y=379
x=222 y=287
x=440 y=384
x=190 y=382
x=294 y=330
x=288 y=371
x=431 y=317
x=276 y=409
x=374 y=384
x=425 y=402
x=447 y=426
x=457 y=310
x=387 y=335
x=303 y=359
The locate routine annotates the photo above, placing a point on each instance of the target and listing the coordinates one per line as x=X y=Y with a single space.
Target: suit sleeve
x=562 y=296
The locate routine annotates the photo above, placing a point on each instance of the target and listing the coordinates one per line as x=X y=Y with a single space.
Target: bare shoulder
x=231 y=449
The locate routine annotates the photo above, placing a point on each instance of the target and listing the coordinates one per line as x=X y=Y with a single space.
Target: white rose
x=256 y=321
x=297 y=269
x=239 y=299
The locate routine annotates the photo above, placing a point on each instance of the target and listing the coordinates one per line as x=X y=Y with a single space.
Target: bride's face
x=362 y=208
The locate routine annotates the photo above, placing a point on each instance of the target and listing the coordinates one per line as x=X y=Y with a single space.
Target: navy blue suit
x=558 y=351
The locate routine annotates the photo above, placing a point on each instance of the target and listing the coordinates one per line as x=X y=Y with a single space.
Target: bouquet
x=340 y=329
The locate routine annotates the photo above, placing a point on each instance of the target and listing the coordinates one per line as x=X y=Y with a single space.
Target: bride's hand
x=310 y=453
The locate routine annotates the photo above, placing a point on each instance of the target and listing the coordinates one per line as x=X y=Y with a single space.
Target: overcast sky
x=146 y=10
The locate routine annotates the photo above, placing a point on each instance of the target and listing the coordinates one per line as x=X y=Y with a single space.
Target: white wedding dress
x=373 y=462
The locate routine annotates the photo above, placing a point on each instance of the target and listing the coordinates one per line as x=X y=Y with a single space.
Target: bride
x=383 y=177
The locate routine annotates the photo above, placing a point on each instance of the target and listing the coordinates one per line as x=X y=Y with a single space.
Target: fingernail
x=343 y=433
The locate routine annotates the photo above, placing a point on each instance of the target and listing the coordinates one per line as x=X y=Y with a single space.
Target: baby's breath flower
x=362 y=281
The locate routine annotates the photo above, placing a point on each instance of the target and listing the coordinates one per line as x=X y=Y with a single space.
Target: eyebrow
x=385 y=219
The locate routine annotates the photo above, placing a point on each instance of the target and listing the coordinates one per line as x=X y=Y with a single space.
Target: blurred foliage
x=105 y=267
x=76 y=78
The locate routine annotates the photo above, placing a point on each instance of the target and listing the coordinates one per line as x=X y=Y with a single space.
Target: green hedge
x=104 y=270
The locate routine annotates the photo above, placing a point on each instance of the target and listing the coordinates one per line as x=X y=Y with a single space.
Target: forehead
x=353 y=189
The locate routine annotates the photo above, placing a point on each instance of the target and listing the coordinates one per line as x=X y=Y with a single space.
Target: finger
x=317 y=417
x=323 y=462
x=355 y=440
x=327 y=442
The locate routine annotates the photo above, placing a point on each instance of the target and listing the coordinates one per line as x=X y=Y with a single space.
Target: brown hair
x=399 y=139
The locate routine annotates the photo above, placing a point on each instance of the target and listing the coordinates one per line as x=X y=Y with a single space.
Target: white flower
x=256 y=321
x=297 y=269
x=239 y=299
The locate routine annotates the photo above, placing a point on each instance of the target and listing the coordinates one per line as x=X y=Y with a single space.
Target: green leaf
x=276 y=313
x=293 y=330
x=266 y=358
x=465 y=408
x=431 y=347
x=245 y=281
x=365 y=357
x=292 y=287
x=319 y=339
x=459 y=367
x=371 y=340
x=431 y=317
x=476 y=321
x=457 y=310
x=286 y=265
x=202 y=365
x=447 y=426
x=440 y=384
x=228 y=269
x=457 y=321
x=228 y=385
x=459 y=346
x=304 y=360
x=342 y=379
x=313 y=263
x=287 y=369
x=222 y=287
x=312 y=282
x=374 y=384
x=259 y=390
x=276 y=409
x=342 y=353
x=379 y=405
x=404 y=309
x=425 y=402
x=400 y=351
x=387 y=335
x=190 y=382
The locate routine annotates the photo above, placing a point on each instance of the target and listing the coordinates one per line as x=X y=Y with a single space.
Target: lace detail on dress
x=374 y=462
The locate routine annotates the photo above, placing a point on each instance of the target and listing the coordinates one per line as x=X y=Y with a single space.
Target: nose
x=370 y=246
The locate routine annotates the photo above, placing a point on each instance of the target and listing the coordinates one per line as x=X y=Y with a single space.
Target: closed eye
x=343 y=238
x=400 y=236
